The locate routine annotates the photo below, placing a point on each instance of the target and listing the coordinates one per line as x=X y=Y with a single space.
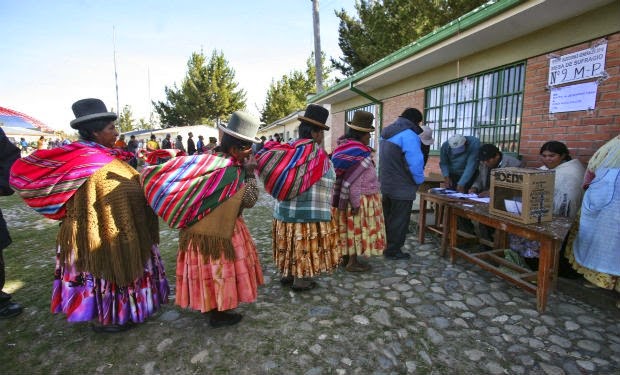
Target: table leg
x=445 y=223
x=451 y=228
x=422 y=220
x=546 y=273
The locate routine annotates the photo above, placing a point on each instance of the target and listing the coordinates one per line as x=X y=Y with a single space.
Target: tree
x=386 y=26
x=207 y=95
x=288 y=94
x=125 y=121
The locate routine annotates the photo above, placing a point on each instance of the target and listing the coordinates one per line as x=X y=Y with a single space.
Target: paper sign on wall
x=577 y=66
x=579 y=97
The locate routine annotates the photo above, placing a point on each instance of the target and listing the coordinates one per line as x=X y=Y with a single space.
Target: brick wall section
x=582 y=131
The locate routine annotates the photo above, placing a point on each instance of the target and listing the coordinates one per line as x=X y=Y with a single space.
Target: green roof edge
x=466 y=21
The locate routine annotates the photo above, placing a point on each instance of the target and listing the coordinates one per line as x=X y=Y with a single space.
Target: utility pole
x=317 y=47
x=118 y=109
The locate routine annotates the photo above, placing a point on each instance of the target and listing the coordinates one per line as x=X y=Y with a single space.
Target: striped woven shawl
x=186 y=188
x=350 y=158
x=47 y=179
x=289 y=169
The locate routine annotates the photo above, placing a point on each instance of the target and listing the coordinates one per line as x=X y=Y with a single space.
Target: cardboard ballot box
x=522 y=194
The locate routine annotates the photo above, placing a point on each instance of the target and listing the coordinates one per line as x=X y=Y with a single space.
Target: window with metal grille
x=487 y=106
x=372 y=108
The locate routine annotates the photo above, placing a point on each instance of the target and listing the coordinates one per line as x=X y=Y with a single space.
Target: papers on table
x=456 y=195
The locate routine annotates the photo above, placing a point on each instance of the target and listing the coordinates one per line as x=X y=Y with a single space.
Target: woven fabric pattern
x=288 y=170
x=47 y=179
x=186 y=188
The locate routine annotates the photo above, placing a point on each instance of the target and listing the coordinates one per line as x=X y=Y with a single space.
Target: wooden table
x=442 y=215
x=550 y=235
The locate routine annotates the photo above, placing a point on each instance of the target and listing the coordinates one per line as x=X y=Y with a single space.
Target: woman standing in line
x=108 y=265
x=357 y=195
x=204 y=195
x=301 y=178
x=593 y=249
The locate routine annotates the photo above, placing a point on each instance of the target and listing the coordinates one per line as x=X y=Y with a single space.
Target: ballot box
x=522 y=194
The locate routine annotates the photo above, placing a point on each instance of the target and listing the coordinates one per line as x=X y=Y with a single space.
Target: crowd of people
x=330 y=211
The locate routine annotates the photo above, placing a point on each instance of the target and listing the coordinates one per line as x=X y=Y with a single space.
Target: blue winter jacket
x=401 y=162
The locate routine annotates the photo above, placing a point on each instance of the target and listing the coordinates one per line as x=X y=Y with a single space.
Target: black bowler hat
x=315 y=115
x=87 y=110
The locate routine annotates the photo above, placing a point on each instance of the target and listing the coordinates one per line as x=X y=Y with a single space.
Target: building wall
x=582 y=131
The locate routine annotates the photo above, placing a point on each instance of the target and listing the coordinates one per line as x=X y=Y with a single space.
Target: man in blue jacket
x=401 y=171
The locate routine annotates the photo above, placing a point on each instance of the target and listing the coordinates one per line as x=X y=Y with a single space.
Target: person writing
x=108 y=265
x=490 y=158
x=458 y=161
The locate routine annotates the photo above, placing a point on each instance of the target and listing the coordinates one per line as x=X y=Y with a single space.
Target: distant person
x=256 y=147
x=120 y=143
x=191 y=147
x=151 y=144
x=108 y=264
x=200 y=145
x=24 y=145
x=490 y=158
x=41 y=143
x=8 y=154
x=166 y=142
x=132 y=146
x=401 y=172
x=458 y=161
x=211 y=145
x=178 y=144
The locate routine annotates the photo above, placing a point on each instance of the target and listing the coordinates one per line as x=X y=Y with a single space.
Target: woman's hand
x=250 y=164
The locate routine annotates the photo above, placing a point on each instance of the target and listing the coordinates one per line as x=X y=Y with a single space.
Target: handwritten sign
x=577 y=66
x=579 y=97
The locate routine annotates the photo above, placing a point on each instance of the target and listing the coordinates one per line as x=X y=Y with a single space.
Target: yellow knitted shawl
x=109 y=229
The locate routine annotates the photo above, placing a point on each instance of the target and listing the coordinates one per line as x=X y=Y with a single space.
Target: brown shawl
x=109 y=229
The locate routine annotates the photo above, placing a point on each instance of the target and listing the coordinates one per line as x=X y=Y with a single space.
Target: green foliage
x=289 y=93
x=125 y=121
x=208 y=93
x=386 y=26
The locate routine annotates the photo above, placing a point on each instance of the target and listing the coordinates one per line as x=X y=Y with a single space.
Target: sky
x=54 y=53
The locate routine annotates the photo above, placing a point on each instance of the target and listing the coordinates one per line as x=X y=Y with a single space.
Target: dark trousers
x=5 y=240
x=397 y=214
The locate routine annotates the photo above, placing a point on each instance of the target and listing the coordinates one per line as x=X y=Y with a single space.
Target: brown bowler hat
x=362 y=121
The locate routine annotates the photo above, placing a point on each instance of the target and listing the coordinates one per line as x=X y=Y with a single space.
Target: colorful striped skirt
x=83 y=297
x=364 y=233
x=305 y=249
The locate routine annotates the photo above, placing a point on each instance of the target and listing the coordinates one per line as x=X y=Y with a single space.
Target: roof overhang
x=487 y=26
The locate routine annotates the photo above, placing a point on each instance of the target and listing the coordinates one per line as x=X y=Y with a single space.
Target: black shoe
x=4 y=297
x=10 y=309
x=397 y=256
x=302 y=288
x=222 y=319
x=287 y=280
x=111 y=328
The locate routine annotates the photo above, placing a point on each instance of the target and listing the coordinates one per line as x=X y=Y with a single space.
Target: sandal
x=302 y=288
x=359 y=267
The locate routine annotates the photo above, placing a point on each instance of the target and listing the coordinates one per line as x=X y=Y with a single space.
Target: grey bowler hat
x=243 y=126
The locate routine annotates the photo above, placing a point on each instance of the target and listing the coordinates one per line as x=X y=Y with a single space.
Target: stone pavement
x=423 y=316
